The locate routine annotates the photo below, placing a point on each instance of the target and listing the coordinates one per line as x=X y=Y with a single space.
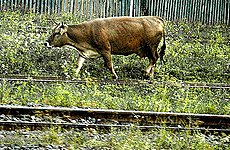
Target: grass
x=127 y=139
x=195 y=53
x=159 y=97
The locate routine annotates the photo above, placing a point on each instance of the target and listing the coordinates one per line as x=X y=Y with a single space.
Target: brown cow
x=118 y=36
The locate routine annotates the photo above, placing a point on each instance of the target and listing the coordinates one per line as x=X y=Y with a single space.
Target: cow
x=113 y=36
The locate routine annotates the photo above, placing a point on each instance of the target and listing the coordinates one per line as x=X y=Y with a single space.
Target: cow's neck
x=76 y=40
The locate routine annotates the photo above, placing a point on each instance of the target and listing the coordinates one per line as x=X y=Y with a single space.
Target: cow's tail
x=162 y=50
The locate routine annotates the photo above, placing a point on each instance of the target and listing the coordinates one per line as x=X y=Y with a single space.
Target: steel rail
x=13 y=125
x=121 y=117
x=119 y=82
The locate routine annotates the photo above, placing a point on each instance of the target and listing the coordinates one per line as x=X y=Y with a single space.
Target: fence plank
x=228 y=12
x=1 y=4
x=205 y=11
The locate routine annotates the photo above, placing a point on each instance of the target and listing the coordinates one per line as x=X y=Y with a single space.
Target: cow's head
x=58 y=37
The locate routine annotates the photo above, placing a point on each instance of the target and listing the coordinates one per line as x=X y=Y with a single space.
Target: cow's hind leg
x=153 y=56
x=108 y=62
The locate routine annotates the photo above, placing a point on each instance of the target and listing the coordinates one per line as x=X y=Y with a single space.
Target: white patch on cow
x=87 y=53
x=90 y=54
x=149 y=68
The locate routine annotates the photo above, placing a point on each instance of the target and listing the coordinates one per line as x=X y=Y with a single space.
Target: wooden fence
x=204 y=11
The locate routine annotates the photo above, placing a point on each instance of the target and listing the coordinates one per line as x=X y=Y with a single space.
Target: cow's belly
x=124 y=51
x=125 y=47
x=86 y=53
x=140 y=50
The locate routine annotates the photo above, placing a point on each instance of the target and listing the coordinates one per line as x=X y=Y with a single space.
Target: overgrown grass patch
x=148 y=97
x=129 y=138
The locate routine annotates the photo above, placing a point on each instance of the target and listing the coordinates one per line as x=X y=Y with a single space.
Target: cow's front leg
x=80 y=64
x=108 y=62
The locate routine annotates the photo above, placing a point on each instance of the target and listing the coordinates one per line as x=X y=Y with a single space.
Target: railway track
x=34 y=118
x=16 y=117
x=118 y=82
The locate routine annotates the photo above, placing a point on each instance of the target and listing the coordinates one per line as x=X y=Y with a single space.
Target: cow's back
x=126 y=35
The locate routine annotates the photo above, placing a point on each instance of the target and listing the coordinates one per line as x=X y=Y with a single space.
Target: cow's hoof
x=147 y=76
x=115 y=77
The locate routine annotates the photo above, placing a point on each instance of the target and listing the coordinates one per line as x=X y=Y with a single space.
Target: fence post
x=131 y=8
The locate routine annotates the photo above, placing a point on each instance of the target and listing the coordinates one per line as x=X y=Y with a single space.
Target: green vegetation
x=152 y=97
x=195 y=53
x=126 y=139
